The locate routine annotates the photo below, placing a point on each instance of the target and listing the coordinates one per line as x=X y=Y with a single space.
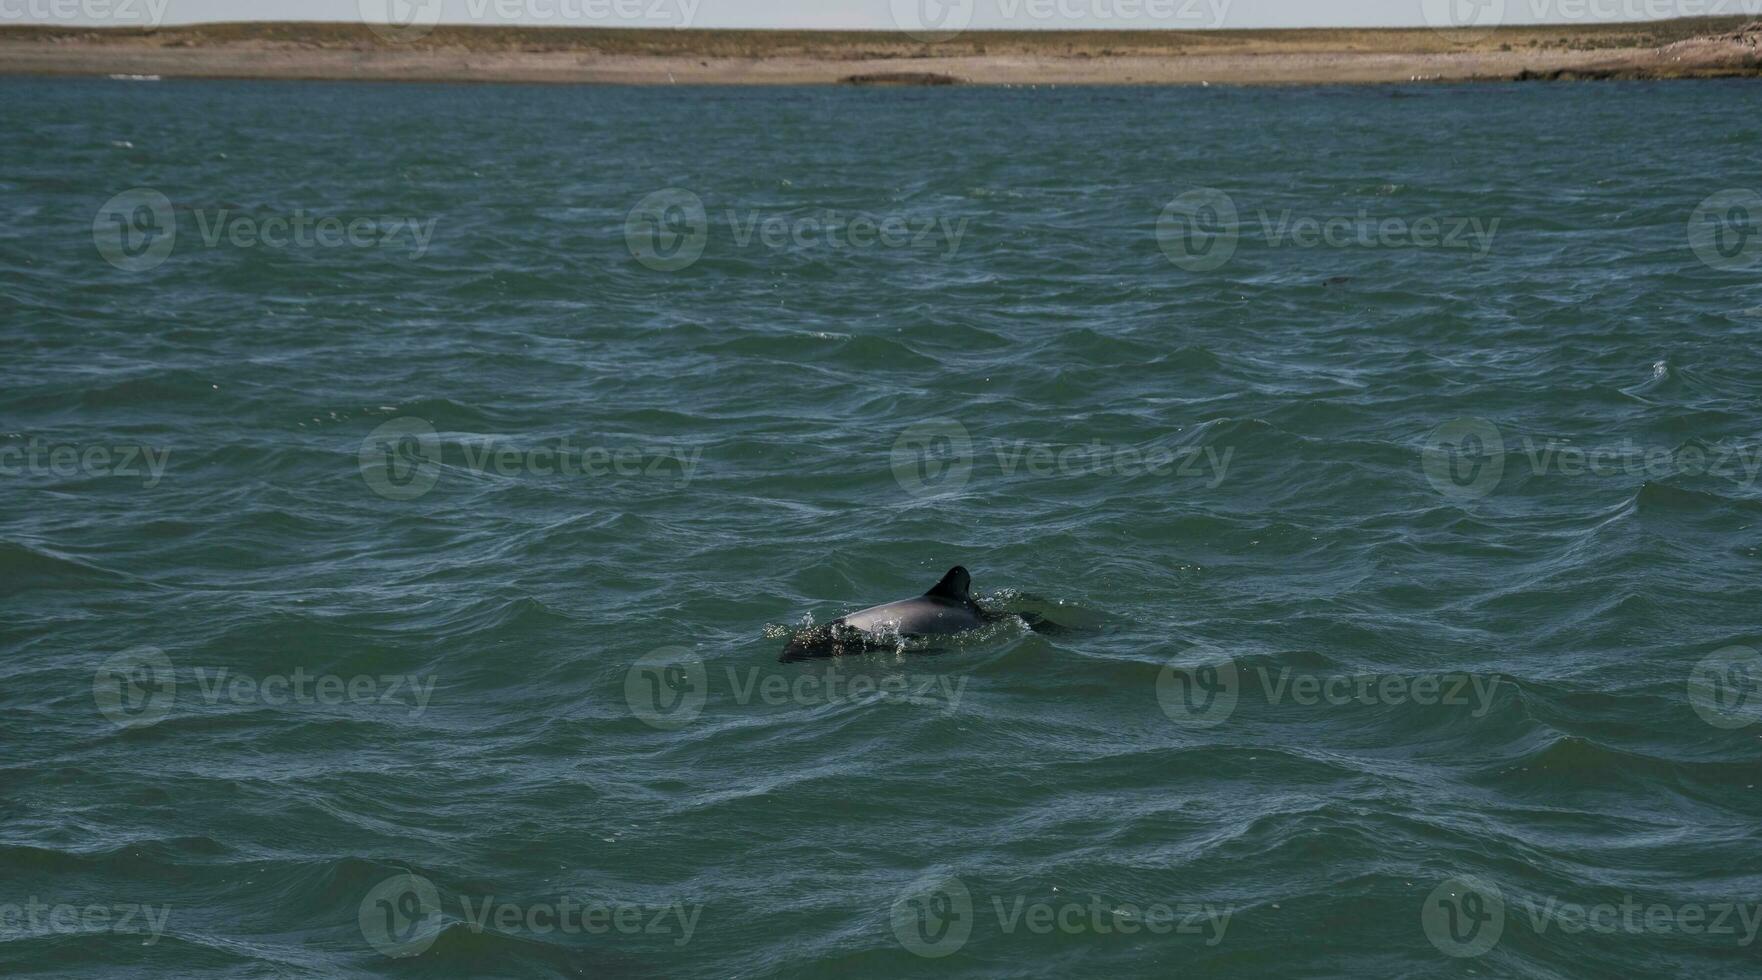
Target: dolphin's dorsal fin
x=954 y=585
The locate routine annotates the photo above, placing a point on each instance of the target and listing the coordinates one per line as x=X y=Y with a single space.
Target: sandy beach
x=1691 y=48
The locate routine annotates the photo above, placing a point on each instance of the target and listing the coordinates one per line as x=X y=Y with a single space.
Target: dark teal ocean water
x=407 y=492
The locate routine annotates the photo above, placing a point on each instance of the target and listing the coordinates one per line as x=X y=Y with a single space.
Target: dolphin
x=946 y=609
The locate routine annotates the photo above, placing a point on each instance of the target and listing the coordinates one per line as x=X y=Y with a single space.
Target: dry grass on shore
x=866 y=45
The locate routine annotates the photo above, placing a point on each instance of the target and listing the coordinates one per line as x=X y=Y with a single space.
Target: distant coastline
x=1684 y=48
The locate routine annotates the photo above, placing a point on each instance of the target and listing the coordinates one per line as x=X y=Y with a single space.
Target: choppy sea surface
x=406 y=491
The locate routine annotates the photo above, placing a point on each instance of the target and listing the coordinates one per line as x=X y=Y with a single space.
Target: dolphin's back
x=920 y=616
x=947 y=608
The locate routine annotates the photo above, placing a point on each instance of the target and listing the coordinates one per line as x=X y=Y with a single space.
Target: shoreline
x=1720 y=47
